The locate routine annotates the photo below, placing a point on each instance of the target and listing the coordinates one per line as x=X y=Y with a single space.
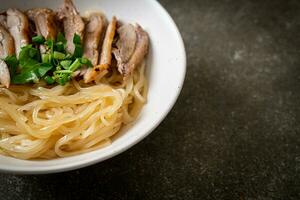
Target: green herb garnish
x=58 y=55
x=78 y=51
x=13 y=63
x=49 y=80
x=66 y=64
x=38 y=39
x=53 y=66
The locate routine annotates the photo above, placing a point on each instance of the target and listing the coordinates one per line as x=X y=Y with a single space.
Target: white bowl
x=166 y=71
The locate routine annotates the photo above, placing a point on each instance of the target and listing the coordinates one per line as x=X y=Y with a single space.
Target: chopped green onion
x=38 y=39
x=86 y=62
x=63 y=79
x=66 y=64
x=59 y=56
x=68 y=56
x=83 y=60
x=75 y=65
x=49 y=80
x=63 y=72
x=45 y=58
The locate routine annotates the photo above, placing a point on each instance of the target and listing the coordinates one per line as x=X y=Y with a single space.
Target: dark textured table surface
x=234 y=132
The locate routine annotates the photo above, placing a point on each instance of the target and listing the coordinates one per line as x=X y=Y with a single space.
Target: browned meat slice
x=72 y=23
x=106 y=53
x=44 y=20
x=93 y=33
x=18 y=26
x=126 y=43
x=4 y=74
x=7 y=48
x=45 y=23
x=132 y=47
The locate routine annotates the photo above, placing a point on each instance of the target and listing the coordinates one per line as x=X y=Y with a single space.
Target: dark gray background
x=234 y=132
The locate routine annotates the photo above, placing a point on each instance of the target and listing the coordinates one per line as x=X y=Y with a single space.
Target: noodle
x=37 y=122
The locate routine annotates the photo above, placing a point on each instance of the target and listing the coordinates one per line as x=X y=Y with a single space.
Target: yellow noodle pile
x=38 y=122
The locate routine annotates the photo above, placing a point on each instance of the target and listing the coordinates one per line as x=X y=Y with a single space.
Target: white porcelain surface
x=166 y=71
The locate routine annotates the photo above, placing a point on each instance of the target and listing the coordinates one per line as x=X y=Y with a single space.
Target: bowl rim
x=121 y=148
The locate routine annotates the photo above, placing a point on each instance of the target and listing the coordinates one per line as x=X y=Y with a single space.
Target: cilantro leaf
x=38 y=39
x=13 y=63
x=43 y=68
x=76 y=39
x=32 y=73
x=28 y=56
x=25 y=77
x=78 y=51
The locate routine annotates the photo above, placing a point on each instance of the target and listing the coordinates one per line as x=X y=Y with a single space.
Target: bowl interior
x=166 y=64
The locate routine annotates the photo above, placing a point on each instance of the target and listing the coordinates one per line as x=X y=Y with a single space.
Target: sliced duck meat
x=93 y=32
x=125 y=44
x=132 y=47
x=72 y=22
x=7 y=48
x=18 y=26
x=106 y=52
x=44 y=20
x=4 y=74
x=45 y=23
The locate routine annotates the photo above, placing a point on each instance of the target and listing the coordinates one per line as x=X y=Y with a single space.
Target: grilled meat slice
x=7 y=48
x=18 y=26
x=106 y=52
x=132 y=47
x=72 y=22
